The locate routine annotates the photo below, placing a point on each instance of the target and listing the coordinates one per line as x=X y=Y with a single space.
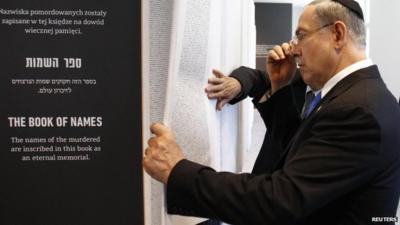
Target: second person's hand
x=222 y=88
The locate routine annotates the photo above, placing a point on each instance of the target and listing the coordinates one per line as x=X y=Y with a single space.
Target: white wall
x=384 y=41
x=296 y=12
x=294 y=2
x=384 y=47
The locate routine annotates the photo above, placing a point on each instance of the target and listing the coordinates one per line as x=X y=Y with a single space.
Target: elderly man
x=340 y=163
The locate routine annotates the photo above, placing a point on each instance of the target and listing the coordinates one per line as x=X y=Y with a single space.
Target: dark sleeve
x=281 y=115
x=254 y=83
x=285 y=103
x=339 y=157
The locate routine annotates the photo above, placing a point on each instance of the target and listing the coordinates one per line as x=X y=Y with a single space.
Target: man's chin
x=306 y=77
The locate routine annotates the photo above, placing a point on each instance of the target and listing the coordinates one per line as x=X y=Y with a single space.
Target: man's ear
x=340 y=34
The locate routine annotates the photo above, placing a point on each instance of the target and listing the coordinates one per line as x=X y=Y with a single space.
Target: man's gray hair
x=330 y=11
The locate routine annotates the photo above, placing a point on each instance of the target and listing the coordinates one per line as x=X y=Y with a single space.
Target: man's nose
x=296 y=51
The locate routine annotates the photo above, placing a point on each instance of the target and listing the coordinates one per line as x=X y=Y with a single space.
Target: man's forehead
x=307 y=19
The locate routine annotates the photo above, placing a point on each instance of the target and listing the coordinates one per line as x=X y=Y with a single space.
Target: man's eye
x=301 y=36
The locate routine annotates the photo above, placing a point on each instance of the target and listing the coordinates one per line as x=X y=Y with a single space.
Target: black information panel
x=270 y=30
x=70 y=112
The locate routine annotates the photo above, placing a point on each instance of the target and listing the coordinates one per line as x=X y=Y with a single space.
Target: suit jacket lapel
x=339 y=88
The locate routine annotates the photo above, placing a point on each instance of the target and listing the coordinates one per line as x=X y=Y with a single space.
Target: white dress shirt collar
x=342 y=74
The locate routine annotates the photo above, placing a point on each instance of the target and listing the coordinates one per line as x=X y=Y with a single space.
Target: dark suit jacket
x=341 y=165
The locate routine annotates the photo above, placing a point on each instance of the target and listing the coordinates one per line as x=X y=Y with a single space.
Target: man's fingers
x=214 y=88
x=160 y=129
x=218 y=73
x=152 y=142
x=148 y=152
x=147 y=165
x=219 y=94
x=221 y=103
x=287 y=49
x=279 y=52
x=215 y=80
x=272 y=57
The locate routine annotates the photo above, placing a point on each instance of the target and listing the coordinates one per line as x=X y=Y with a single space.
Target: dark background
x=273 y=25
x=108 y=188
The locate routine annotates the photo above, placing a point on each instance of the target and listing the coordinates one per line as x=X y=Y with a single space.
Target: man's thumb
x=160 y=129
x=218 y=73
